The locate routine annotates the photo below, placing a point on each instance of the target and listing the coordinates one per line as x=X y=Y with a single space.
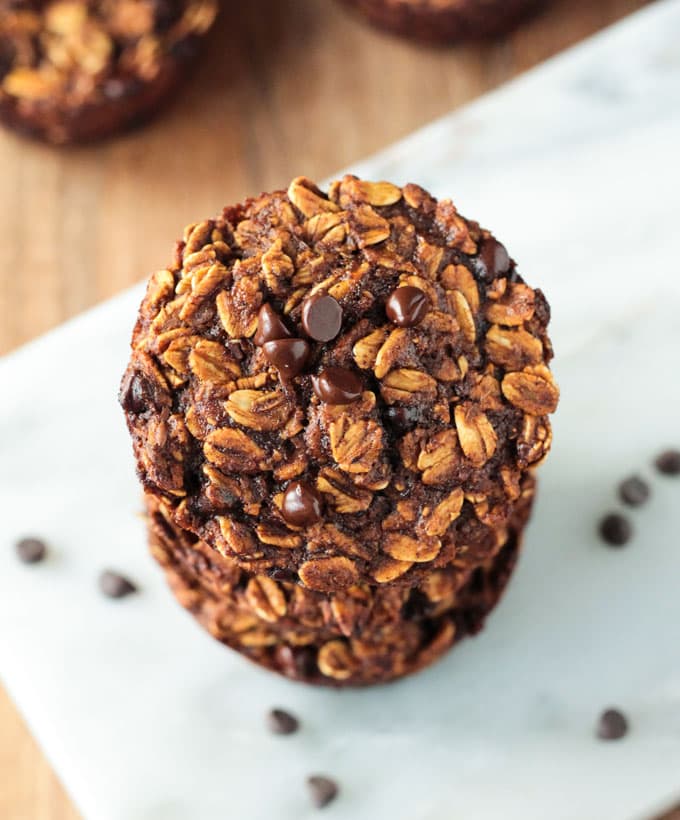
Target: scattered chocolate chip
x=616 y=530
x=634 y=491
x=114 y=585
x=301 y=504
x=270 y=326
x=287 y=355
x=337 y=385
x=668 y=462
x=31 y=550
x=281 y=722
x=612 y=725
x=407 y=306
x=322 y=790
x=322 y=317
x=493 y=259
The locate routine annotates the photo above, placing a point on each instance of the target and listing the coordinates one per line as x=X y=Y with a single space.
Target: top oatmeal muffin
x=340 y=388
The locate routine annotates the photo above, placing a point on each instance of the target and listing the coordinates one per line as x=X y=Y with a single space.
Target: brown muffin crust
x=446 y=21
x=78 y=70
x=423 y=467
x=363 y=636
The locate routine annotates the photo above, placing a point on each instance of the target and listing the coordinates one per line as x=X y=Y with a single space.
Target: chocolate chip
x=270 y=326
x=287 y=355
x=301 y=504
x=616 y=530
x=165 y=14
x=634 y=491
x=139 y=395
x=403 y=418
x=668 y=462
x=7 y=56
x=133 y=396
x=416 y=606
x=407 y=306
x=114 y=585
x=612 y=725
x=31 y=550
x=337 y=385
x=322 y=790
x=288 y=576
x=185 y=49
x=322 y=317
x=298 y=663
x=493 y=259
x=281 y=722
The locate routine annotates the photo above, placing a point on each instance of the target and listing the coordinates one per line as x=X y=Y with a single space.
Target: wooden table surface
x=287 y=87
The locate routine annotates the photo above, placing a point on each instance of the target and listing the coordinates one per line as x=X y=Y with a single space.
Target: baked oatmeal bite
x=341 y=387
x=360 y=636
x=78 y=70
x=445 y=21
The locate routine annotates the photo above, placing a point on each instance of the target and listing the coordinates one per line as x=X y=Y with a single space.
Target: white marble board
x=575 y=167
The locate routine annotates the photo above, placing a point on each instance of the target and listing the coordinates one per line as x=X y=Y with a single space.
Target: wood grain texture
x=286 y=87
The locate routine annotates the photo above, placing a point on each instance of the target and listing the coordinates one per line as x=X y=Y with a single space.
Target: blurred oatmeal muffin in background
x=78 y=70
x=445 y=21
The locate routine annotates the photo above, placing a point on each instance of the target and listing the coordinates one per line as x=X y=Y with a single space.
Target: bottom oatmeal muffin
x=365 y=635
x=337 y=402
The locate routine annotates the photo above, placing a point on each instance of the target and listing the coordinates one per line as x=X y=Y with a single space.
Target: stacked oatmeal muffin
x=337 y=402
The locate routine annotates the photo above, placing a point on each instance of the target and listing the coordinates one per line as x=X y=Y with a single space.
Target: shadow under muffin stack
x=337 y=402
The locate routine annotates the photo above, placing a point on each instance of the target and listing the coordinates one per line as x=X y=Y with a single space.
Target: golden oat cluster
x=76 y=70
x=337 y=402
